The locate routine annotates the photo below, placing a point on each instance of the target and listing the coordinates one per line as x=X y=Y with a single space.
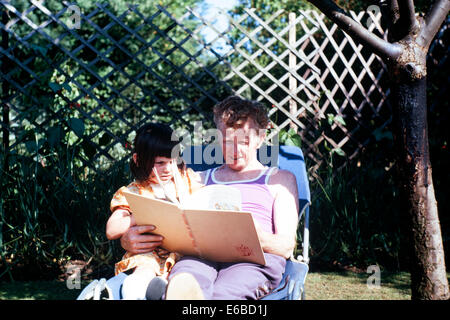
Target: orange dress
x=160 y=260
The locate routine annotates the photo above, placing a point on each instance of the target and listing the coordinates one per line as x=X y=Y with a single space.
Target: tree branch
x=433 y=22
x=407 y=16
x=394 y=12
x=390 y=14
x=379 y=46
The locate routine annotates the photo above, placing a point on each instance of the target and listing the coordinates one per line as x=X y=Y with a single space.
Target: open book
x=208 y=224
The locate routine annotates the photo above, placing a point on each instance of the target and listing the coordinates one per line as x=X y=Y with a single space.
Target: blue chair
x=288 y=158
x=292 y=285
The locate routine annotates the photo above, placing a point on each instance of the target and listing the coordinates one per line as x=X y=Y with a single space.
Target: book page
x=216 y=235
x=225 y=236
x=166 y=217
x=215 y=197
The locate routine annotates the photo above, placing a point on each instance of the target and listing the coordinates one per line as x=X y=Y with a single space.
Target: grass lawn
x=38 y=290
x=319 y=286
x=353 y=286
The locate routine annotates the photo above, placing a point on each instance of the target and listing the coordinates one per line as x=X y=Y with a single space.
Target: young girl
x=158 y=176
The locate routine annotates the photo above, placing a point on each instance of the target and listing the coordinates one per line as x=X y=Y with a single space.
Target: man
x=270 y=195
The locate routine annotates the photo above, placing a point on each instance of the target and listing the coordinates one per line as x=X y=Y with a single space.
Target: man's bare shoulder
x=280 y=175
x=283 y=178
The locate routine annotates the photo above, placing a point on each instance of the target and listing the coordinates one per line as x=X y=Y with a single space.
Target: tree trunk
x=405 y=53
x=428 y=274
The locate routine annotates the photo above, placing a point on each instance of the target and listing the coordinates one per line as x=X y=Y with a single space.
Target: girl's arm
x=118 y=223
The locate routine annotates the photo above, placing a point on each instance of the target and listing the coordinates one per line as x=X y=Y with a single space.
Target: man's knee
x=203 y=271
x=228 y=292
x=194 y=266
x=236 y=290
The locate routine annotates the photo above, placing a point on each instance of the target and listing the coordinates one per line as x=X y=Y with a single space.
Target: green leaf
x=294 y=140
x=330 y=117
x=340 y=120
x=66 y=86
x=283 y=136
x=55 y=86
x=345 y=248
x=289 y=142
x=77 y=126
x=292 y=131
x=339 y=152
x=54 y=136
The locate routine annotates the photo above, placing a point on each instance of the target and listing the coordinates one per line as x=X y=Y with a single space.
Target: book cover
x=208 y=224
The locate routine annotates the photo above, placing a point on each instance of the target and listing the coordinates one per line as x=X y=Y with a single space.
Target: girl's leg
x=134 y=286
x=242 y=281
x=204 y=271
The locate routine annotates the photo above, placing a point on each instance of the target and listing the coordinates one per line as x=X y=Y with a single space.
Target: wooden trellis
x=317 y=60
x=316 y=35
x=300 y=64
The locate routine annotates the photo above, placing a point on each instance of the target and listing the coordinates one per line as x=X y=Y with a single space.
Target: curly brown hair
x=234 y=111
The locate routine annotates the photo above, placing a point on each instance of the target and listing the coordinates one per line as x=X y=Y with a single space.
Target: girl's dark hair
x=152 y=140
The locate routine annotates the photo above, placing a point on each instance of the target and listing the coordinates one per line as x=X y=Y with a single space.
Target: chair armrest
x=296 y=272
x=292 y=283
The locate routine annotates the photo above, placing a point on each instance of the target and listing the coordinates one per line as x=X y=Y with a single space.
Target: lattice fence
x=92 y=86
x=325 y=85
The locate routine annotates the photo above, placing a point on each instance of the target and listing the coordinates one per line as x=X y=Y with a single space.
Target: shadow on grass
x=397 y=283
x=349 y=285
x=396 y=280
x=38 y=290
x=400 y=281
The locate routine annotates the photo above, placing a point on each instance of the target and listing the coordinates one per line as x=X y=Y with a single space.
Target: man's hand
x=138 y=240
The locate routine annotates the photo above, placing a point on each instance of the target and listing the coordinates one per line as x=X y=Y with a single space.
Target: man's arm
x=138 y=239
x=133 y=238
x=285 y=211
